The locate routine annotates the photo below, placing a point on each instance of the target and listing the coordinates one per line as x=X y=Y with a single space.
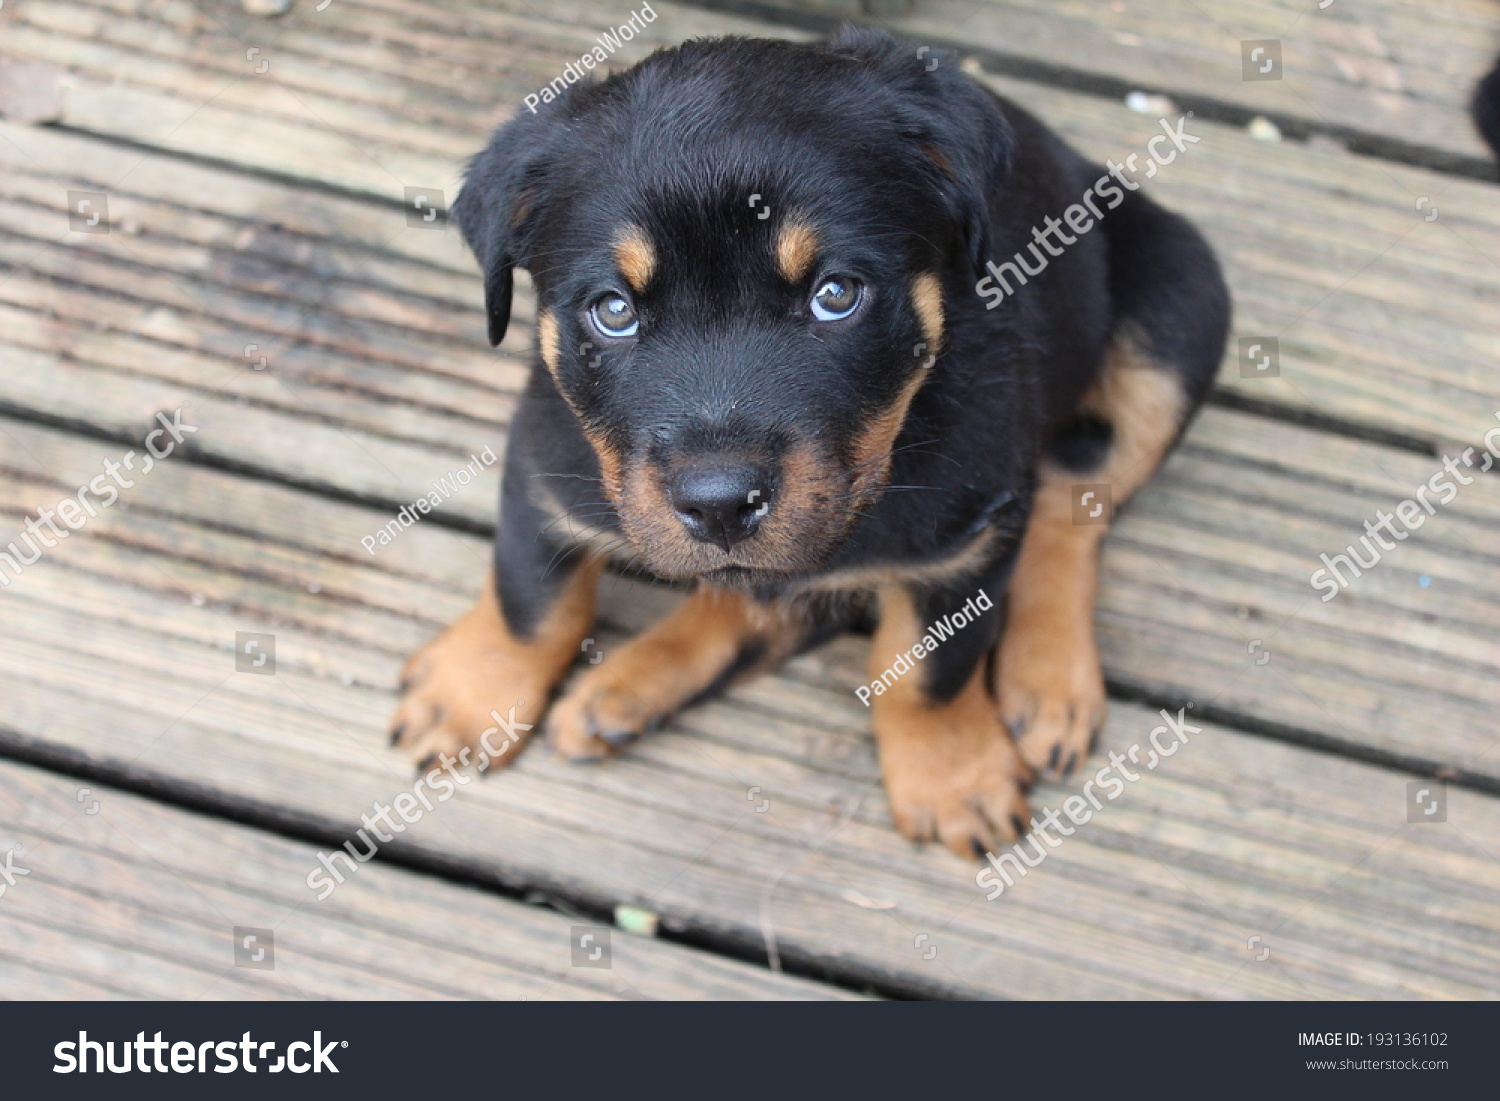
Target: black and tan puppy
x=764 y=366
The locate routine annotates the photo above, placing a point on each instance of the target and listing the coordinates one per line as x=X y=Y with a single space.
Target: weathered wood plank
x=1381 y=71
x=1216 y=554
x=126 y=897
x=105 y=652
x=348 y=378
x=1326 y=251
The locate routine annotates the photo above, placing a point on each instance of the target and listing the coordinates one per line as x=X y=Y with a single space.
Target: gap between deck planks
x=127 y=898
x=117 y=646
x=372 y=392
x=220 y=265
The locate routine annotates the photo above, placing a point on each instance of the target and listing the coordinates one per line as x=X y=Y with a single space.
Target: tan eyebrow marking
x=796 y=249
x=927 y=300
x=635 y=255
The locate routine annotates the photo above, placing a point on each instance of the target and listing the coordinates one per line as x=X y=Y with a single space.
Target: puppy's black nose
x=721 y=503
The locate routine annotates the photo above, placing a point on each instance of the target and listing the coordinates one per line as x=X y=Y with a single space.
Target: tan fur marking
x=1144 y=402
x=1048 y=680
x=611 y=465
x=636 y=256
x=477 y=666
x=950 y=770
x=927 y=299
x=659 y=671
x=548 y=341
x=872 y=448
x=796 y=249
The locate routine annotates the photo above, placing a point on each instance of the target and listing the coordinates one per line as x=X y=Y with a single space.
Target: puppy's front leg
x=951 y=770
x=712 y=637
x=504 y=656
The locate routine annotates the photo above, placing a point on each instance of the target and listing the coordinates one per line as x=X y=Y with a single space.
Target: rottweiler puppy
x=769 y=364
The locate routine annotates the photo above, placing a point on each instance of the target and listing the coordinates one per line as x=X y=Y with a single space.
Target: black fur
x=904 y=169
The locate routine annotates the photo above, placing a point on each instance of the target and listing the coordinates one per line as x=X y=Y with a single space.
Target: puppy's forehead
x=716 y=174
x=735 y=223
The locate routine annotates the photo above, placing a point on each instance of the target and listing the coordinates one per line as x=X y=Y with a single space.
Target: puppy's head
x=740 y=250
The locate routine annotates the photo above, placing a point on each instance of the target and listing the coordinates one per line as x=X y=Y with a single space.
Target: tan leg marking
x=477 y=666
x=951 y=771
x=1048 y=680
x=640 y=685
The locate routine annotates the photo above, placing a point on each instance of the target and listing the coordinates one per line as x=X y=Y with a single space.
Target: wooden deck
x=159 y=798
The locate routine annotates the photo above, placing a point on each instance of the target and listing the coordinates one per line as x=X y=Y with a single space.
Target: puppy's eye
x=613 y=316
x=836 y=298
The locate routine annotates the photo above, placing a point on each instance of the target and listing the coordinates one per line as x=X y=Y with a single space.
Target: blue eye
x=613 y=316
x=837 y=298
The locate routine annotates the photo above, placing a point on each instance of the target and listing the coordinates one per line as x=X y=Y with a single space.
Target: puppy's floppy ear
x=954 y=121
x=499 y=207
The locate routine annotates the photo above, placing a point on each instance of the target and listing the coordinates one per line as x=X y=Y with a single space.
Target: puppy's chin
x=765 y=558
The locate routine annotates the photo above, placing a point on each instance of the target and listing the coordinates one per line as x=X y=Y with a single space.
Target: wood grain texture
x=1327 y=251
x=127 y=898
x=262 y=209
x=118 y=646
x=1385 y=71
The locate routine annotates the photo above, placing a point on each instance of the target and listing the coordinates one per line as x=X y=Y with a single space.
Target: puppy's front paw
x=604 y=713
x=475 y=692
x=1051 y=695
x=640 y=686
x=952 y=772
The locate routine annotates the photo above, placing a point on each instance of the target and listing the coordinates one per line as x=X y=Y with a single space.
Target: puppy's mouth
x=733 y=520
